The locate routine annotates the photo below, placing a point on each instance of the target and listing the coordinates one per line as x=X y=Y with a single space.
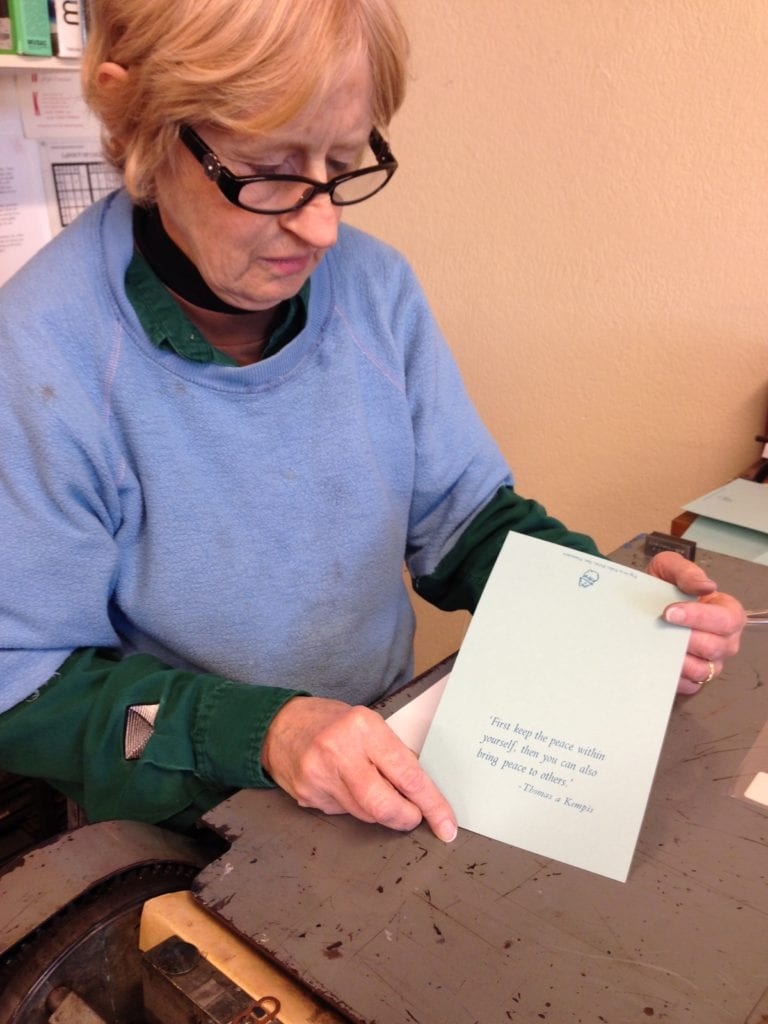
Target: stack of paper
x=733 y=520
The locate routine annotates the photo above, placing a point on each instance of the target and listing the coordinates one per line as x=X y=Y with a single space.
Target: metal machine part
x=30 y=812
x=69 y=921
x=181 y=985
x=197 y=969
x=89 y=949
x=99 y=927
x=69 y=1008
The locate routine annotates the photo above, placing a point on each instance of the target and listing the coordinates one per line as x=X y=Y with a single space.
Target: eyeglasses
x=281 y=193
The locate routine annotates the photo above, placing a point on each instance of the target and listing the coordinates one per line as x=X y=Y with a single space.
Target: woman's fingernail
x=447 y=831
x=675 y=615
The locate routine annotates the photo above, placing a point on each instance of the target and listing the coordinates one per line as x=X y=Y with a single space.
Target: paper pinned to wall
x=10 y=119
x=75 y=174
x=24 y=225
x=52 y=106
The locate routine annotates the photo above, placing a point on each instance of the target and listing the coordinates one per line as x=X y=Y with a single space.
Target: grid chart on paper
x=80 y=184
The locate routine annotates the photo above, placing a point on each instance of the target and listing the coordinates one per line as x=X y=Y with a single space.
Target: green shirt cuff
x=229 y=730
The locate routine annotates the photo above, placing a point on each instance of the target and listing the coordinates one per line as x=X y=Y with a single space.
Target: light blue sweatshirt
x=247 y=521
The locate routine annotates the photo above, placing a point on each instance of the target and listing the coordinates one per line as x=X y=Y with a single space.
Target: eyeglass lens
x=277 y=195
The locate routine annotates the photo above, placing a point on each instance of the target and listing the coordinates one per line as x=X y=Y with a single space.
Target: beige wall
x=583 y=191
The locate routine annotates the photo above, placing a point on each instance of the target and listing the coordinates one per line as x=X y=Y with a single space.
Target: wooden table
x=402 y=929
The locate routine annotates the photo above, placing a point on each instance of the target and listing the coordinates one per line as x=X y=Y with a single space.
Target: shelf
x=20 y=62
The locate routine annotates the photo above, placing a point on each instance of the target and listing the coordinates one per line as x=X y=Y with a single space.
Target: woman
x=227 y=421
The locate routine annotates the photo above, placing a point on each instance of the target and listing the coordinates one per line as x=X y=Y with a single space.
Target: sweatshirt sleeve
x=204 y=743
x=459 y=578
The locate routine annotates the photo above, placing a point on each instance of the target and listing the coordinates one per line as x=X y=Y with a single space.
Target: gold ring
x=711 y=675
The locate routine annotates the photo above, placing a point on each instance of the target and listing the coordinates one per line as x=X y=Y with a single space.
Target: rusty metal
x=91 y=948
x=71 y=1009
x=48 y=878
x=180 y=985
x=262 y=1011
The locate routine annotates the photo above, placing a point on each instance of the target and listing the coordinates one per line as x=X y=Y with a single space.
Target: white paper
x=548 y=733
x=10 y=119
x=727 y=539
x=741 y=502
x=412 y=721
x=757 y=790
x=52 y=106
x=75 y=175
x=24 y=225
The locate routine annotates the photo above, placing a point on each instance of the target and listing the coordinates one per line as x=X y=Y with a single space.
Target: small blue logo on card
x=588 y=578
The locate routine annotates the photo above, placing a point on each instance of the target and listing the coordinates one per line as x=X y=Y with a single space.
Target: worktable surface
x=392 y=928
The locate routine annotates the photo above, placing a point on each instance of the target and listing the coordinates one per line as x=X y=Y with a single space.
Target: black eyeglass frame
x=230 y=185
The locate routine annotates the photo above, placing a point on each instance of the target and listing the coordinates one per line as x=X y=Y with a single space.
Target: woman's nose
x=316 y=223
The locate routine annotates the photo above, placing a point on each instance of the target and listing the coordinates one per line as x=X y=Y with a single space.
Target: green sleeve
x=459 y=578
x=207 y=739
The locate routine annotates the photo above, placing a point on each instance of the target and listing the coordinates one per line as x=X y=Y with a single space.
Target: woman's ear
x=110 y=74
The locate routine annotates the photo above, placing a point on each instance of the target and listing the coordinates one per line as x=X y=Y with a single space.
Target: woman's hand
x=715 y=620
x=346 y=760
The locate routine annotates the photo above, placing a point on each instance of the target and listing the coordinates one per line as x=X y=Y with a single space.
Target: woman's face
x=255 y=261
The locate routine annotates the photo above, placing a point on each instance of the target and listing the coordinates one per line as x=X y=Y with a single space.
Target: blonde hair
x=240 y=65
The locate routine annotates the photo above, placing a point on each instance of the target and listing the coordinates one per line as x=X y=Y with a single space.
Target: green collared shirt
x=168 y=326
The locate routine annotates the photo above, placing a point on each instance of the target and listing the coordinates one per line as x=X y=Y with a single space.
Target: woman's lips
x=289 y=265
